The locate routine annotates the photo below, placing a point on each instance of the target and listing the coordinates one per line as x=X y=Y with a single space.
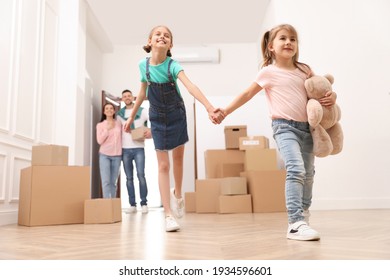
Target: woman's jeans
x=295 y=145
x=138 y=156
x=109 y=172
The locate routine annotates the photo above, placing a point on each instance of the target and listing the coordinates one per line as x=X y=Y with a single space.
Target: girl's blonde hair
x=268 y=56
x=148 y=48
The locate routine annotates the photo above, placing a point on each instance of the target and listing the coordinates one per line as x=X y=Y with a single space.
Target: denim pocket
x=170 y=97
x=279 y=128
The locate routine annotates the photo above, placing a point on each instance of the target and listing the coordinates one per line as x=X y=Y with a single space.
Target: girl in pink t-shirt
x=282 y=77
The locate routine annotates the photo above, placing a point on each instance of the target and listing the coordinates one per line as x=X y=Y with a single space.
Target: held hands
x=329 y=99
x=216 y=115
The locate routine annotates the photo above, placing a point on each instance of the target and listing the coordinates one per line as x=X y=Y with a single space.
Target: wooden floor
x=345 y=235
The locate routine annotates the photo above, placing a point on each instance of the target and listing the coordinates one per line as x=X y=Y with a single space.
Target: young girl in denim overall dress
x=167 y=115
x=282 y=77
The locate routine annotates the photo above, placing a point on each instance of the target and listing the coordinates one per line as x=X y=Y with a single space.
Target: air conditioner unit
x=200 y=54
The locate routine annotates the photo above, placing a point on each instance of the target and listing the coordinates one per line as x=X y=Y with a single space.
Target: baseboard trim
x=350 y=203
x=8 y=217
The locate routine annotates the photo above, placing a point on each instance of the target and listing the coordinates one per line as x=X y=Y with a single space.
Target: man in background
x=133 y=151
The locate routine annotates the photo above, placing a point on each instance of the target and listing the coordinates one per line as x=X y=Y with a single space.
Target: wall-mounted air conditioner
x=201 y=54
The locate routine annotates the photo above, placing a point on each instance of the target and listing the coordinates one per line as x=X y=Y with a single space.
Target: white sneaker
x=132 y=209
x=177 y=205
x=171 y=224
x=301 y=231
x=144 y=209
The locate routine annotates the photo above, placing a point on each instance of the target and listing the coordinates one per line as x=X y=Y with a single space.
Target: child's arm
x=138 y=101
x=329 y=99
x=242 y=98
x=214 y=115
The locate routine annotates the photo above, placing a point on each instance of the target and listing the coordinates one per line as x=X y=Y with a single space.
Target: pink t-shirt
x=285 y=92
x=110 y=140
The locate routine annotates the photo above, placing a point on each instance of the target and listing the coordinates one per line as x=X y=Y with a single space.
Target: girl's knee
x=163 y=167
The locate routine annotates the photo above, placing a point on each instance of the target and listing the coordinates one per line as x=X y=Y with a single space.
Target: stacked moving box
x=51 y=192
x=243 y=177
x=54 y=193
x=102 y=211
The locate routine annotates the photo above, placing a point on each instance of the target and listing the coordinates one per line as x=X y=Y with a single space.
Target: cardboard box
x=190 y=202
x=233 y=186
x=137 y=134
x=53 y=195
x=214 y=159
x=253 y=142
x=232 y=135
x=102 y=211
x=207 y=193
x=262 y=159
x=231 y=169
x=267 y=189
x=235 y=204
x=49 y=155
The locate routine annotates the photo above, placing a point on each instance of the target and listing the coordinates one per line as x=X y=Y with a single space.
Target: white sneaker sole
x=303 y=238
x=177 y=228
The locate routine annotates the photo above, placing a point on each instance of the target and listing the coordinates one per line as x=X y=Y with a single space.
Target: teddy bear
x=323 y=120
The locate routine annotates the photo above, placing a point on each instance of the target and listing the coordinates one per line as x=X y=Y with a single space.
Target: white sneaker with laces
x=144 y=209
x=177 y=205
x=132 y=209
x=301 y=231
x=171 y=224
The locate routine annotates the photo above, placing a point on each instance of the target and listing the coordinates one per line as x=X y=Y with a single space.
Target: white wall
x=28 y=32
x=44 y=93
x=351 y=40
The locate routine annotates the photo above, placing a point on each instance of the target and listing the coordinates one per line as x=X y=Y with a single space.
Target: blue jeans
x=295 y=145
x=109 y=172
x=138 y=156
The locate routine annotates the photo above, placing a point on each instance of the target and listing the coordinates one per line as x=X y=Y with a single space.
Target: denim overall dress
x=167 y=113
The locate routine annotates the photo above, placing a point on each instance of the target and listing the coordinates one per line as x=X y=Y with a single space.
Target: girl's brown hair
x=268 y=56
x=148 y=48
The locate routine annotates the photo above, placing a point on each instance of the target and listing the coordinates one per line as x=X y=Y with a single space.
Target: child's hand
x=217 y=116
x=329 y=99
x=148 y=133
x=126 y=126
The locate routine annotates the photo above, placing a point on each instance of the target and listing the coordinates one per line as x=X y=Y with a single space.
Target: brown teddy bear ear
x=309 y=85
x=330 y=78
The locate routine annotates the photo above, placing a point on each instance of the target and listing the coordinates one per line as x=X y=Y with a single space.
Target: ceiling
x=128 y=22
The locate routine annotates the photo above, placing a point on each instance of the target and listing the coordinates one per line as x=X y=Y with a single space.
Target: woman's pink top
x=110 y=140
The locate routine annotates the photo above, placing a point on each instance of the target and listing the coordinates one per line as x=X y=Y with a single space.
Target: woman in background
x=109 y=137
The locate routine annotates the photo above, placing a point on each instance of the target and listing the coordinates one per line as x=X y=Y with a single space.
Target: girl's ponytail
x=147 y=48
x=267 y=55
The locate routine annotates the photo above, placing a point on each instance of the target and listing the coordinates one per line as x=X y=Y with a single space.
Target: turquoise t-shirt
x=158 y=73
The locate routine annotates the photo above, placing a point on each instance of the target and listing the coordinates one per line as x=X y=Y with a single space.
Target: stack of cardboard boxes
x=54 y=193
x=243 y=177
